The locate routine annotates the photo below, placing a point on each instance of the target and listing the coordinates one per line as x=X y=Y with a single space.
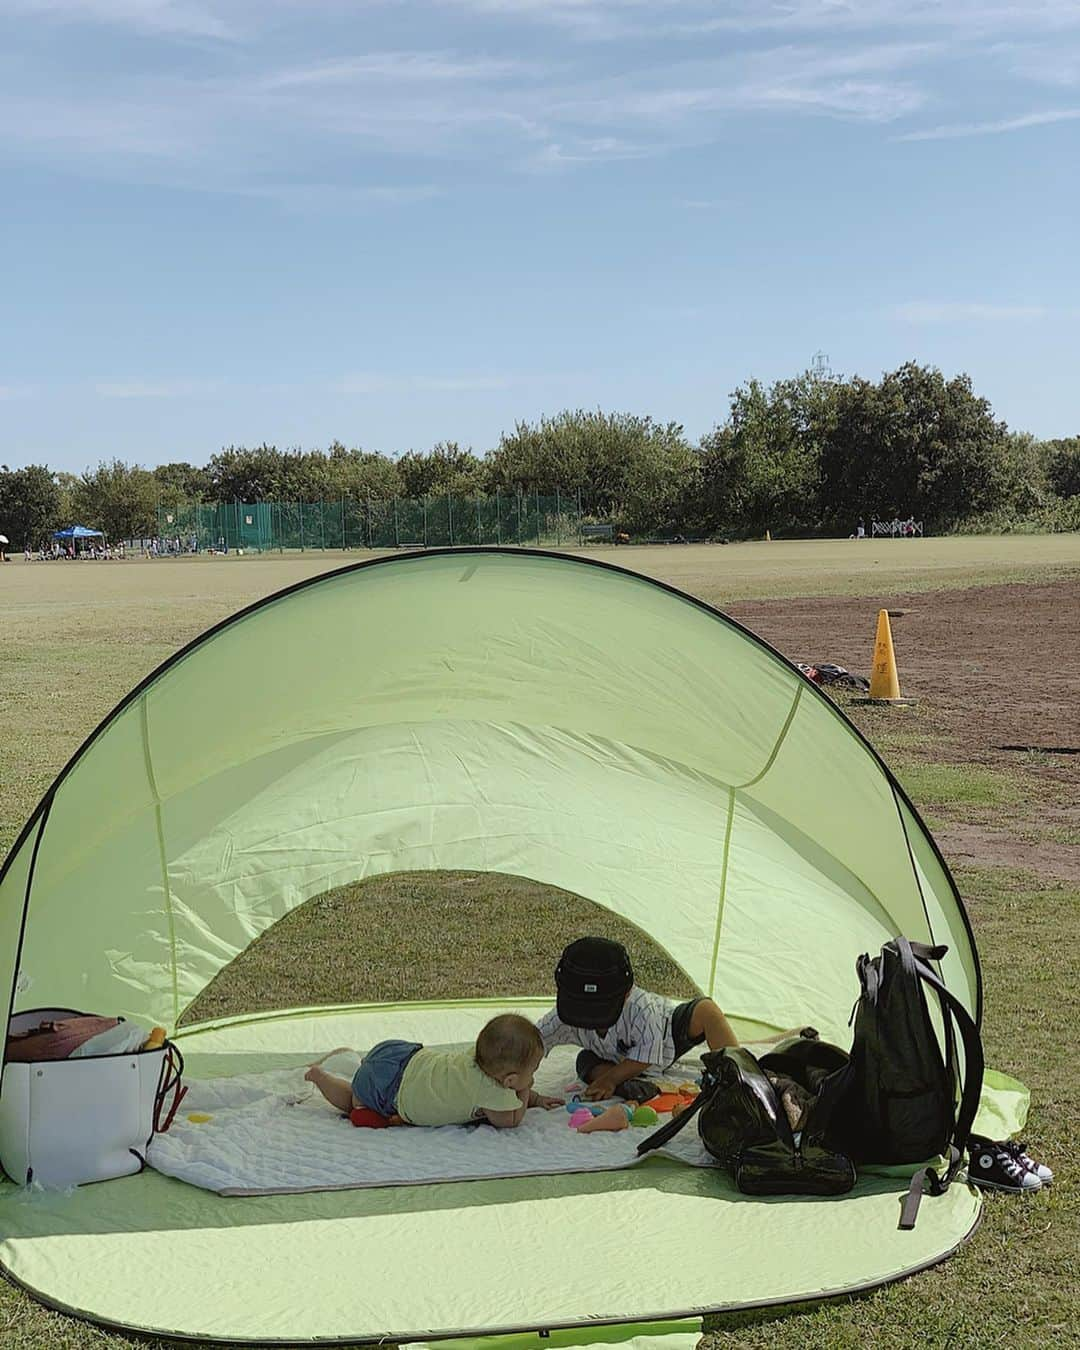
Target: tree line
x=802 y=456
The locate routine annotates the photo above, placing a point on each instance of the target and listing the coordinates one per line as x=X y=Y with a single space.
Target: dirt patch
x=977 y=846
x=991 y=666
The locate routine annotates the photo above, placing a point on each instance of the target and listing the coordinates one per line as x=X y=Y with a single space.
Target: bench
x=597 y=531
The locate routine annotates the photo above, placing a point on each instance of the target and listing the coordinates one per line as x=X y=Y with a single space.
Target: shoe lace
x=1010 y=1164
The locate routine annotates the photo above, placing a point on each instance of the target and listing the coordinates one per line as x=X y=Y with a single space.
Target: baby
x=422 y=1086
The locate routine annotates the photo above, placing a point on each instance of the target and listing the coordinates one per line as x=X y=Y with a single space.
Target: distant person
x=860 y=530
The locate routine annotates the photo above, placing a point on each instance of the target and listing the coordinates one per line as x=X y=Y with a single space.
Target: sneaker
x=993 y=1167
x=1020 y=1153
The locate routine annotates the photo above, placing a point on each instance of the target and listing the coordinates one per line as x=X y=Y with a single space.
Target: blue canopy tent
x=71 y=533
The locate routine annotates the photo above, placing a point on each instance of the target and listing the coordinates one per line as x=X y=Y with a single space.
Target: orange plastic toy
x=667 y=1101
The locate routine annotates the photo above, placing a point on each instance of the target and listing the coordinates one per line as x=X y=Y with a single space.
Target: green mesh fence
x=430 y=522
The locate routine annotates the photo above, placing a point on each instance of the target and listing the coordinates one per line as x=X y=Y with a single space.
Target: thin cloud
x=371 y=383
x=417 y=67
x=197 y=133
x=602 y=149
x=963 y=129
x=922 y=311
x=593 y=20
x=139 y=389
x=315 y=198
x=163 y=17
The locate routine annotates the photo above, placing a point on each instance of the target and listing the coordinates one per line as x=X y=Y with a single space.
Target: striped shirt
x=643 y=1032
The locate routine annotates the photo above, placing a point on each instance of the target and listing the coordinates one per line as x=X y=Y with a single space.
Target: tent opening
x=423 y=936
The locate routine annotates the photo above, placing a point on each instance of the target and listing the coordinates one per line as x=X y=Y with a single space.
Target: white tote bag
x=64 y=1122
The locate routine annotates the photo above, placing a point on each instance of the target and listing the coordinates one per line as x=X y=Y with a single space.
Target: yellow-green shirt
x=448 y=1087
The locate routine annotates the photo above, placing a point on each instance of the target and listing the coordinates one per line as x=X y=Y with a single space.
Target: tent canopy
x=528 y=713
x=77 y=532
x=518 y=712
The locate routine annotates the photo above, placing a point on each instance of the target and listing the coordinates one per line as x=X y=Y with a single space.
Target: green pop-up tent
x=516 y=712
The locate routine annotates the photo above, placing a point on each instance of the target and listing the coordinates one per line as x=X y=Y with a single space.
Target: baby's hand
x=548 y=1103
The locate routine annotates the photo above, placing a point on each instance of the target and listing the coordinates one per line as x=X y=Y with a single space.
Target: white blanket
x=272 y=1133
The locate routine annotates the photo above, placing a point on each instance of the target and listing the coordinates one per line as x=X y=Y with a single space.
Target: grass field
x=79 y=636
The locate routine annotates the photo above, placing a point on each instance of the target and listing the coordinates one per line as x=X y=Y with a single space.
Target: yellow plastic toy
x=199 y=1117
x=155 y=1040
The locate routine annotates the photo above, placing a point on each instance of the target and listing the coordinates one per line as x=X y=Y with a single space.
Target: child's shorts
x=378 y=1079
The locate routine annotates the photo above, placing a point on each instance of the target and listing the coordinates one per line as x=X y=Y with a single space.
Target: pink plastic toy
x=580 y=1117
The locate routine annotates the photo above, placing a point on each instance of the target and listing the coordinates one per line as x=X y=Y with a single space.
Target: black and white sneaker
x=1026 y=1161
x=993 y=1167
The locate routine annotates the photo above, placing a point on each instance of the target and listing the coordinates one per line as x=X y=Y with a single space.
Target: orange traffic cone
x=884 y=681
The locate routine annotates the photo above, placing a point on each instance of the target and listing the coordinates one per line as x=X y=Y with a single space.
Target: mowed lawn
x=77 y=637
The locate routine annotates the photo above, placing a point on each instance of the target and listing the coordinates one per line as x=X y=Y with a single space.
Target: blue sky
x=397 y=221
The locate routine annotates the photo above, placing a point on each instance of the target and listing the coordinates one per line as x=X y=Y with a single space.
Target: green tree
x=445 y=470
x=1022 y=484
x=118 y=498
x=30 y=504
x=913 y=444
x=362 y=474
x=182 y=482
x=626 y=468
x=68 y=484
x=266 y=474
x=238 y=474
x=761 y=470
x=1063 y=466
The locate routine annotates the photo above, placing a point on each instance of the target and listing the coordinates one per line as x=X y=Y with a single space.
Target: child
x=492 y=1081
x=623 y=1030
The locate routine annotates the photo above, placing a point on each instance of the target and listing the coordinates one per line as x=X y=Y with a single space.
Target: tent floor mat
x=149 y=1253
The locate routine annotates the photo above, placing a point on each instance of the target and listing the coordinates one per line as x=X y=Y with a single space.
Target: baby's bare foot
x=313 y=1074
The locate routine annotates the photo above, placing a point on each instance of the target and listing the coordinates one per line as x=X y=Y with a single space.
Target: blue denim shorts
x=377 y=1080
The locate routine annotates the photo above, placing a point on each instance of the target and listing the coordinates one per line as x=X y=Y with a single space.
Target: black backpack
x=895 y=1101
x=892 y=1101
x=743 y=1122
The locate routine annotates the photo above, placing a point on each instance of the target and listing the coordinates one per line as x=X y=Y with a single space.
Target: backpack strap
x=952 y=1011
x=672 y=1127
x=973 y=1052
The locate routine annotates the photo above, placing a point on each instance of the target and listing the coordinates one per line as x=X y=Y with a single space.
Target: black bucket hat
x=593 y=977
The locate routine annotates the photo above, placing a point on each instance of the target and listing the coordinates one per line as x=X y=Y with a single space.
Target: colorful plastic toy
x=644 y=1115
x=364 y=1118
x=612 y=1118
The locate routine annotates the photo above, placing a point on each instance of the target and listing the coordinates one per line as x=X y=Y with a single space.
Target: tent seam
x=723 y=889
x=144 y=725
x=915 y=874
x=22 y=927
x=779 y=742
